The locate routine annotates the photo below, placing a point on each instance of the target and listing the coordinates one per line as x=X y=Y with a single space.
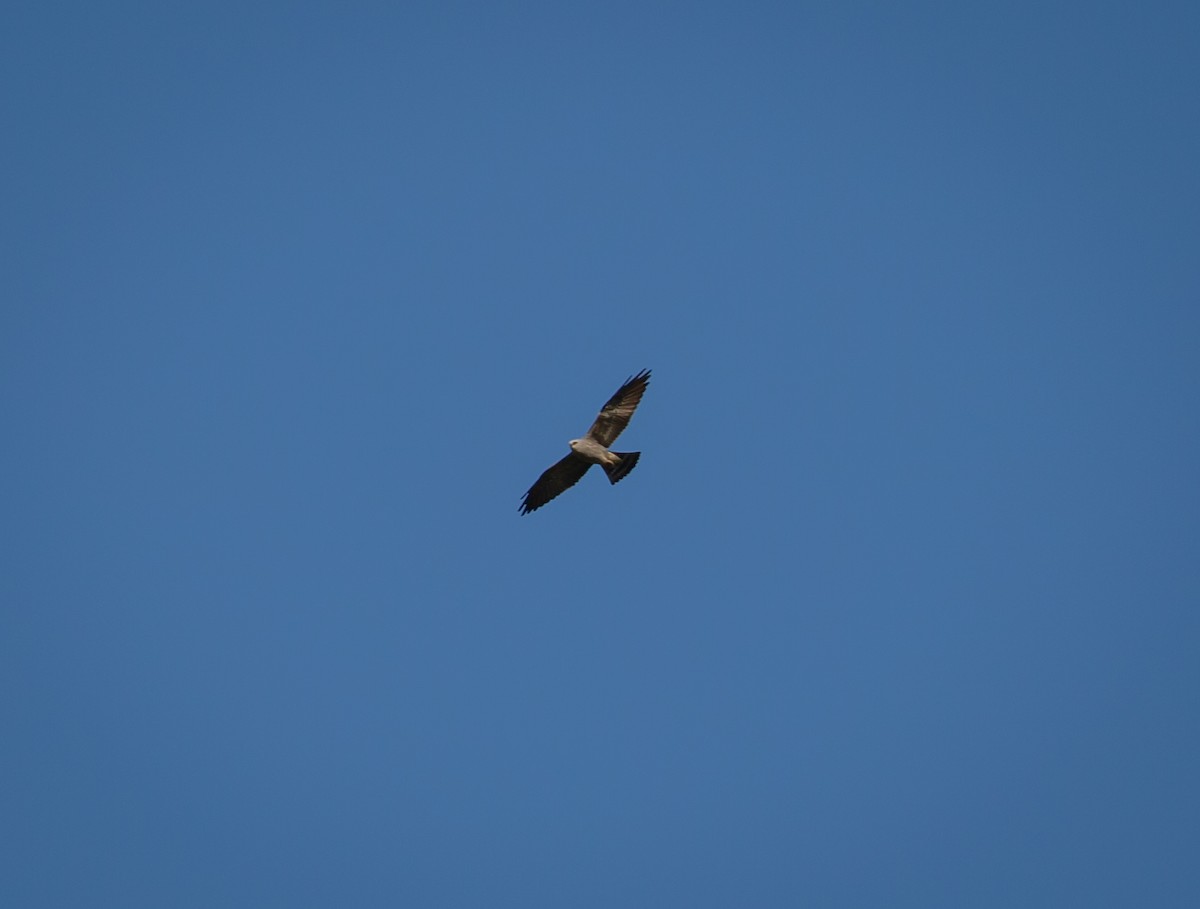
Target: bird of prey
x=593 y=447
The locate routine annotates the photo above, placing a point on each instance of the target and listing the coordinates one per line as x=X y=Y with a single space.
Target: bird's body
x=593 y=451
x=593 y=448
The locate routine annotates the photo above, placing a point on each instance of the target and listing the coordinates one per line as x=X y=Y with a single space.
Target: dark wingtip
x=640 y=378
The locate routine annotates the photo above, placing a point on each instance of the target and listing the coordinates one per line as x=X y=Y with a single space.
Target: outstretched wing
x=614 y=416
x=555 y=480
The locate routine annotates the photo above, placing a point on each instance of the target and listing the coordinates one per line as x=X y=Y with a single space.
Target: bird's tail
x=616 y=472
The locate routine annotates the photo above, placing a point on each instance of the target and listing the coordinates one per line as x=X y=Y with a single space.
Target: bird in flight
x=593 y=447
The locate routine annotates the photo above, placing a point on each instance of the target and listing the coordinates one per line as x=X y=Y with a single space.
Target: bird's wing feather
x=554 y=480
x=615 y=415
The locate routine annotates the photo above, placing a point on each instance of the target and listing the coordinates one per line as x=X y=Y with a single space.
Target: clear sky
x=900 y=606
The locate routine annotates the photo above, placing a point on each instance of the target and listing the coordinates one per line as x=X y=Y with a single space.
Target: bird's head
x=574 y=443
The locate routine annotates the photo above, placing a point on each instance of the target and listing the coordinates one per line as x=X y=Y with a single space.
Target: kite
x=593 y=448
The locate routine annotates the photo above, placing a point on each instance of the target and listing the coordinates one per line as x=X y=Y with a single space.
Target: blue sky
x=900 y=605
